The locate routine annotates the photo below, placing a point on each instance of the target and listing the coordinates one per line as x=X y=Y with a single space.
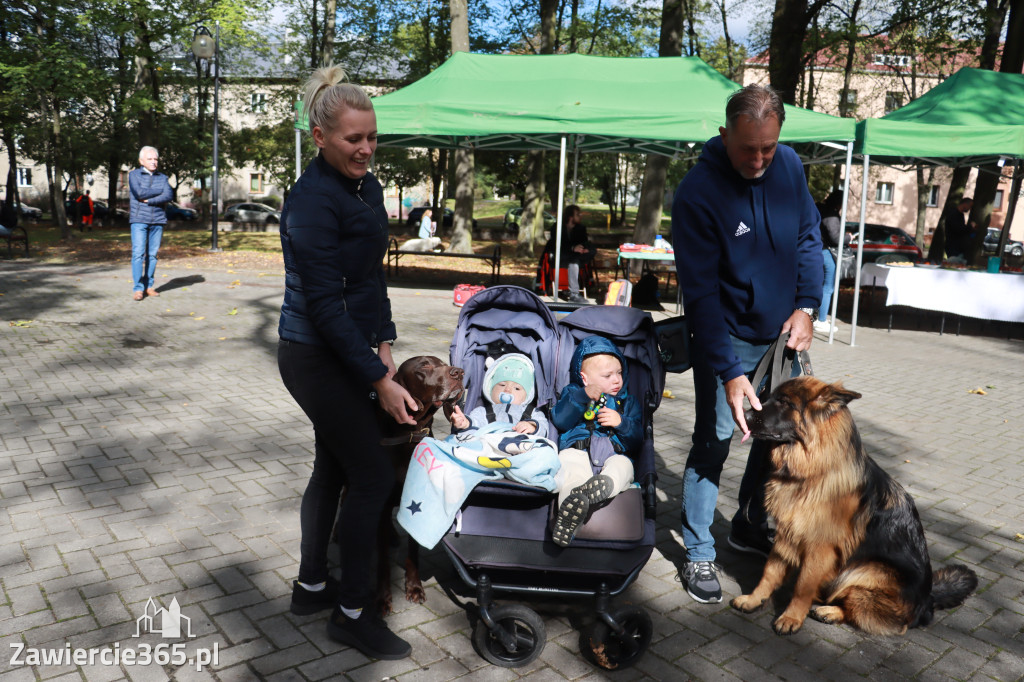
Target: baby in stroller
x=509 y=396
x=600 y=425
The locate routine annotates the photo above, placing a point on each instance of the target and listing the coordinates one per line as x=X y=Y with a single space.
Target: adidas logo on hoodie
x=742 y=229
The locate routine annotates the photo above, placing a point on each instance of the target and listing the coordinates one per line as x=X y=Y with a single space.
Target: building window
x=848 y=107
x=933 y=196
x=255 y=183
x=893 y=101
x=258 y=102
x=997 y=203
x=24 y=177
x=883 y=193
x=891 y=60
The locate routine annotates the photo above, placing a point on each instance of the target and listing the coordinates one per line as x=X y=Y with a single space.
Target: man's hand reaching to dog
x=801 y=333
x=736 y=390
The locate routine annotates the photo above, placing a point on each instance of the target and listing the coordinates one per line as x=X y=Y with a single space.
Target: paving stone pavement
x=149 y=451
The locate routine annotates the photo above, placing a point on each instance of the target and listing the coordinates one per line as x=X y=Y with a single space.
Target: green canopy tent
x=972 y=118
x=664 y=105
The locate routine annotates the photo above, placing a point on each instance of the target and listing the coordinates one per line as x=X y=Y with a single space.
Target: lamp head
x=203 y=45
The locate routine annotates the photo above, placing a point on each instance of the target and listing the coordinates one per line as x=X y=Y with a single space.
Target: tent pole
x=575 y=165
x=839 y=249
x=558 y=217
x=860 y=248
x=298 y=154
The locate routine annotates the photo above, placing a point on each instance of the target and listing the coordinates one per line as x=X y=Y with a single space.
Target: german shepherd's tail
x=951 y=585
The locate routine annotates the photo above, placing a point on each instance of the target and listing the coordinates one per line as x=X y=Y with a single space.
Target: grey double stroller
x=502 y=541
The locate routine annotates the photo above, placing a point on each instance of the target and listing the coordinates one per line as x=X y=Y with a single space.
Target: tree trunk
x=936 y=253
x=465 y=176
x=785 y=47
x=532 y=219
x=652 y=191
x=330 y=22
x=924 y=184
x=531 y=222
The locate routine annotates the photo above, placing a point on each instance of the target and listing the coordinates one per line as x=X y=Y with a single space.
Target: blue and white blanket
x=442 y=474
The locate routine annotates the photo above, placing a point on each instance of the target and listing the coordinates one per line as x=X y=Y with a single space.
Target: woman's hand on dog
x=395 y=400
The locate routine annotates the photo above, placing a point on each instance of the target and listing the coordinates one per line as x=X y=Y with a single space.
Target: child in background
x=600 y=425
x=509 y=390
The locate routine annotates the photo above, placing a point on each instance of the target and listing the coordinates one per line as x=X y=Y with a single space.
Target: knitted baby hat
x=512 y=367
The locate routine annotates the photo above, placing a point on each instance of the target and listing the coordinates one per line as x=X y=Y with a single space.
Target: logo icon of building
x=163 y=622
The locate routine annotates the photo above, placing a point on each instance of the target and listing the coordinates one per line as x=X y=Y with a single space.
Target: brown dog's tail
x=951 y=585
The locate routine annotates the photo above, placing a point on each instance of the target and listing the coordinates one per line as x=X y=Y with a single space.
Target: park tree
x=465 y=180
x=652 y=192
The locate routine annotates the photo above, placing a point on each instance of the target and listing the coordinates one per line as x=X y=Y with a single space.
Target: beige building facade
x=882 y=85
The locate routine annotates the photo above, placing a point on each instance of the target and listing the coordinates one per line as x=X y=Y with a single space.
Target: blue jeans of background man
x=145 y=243
x=712 y=435
x=828 y=286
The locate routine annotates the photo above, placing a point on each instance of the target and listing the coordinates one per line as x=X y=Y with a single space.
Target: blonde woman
x=335 y=349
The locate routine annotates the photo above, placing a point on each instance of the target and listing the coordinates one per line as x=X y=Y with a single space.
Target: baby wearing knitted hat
x=509 y=391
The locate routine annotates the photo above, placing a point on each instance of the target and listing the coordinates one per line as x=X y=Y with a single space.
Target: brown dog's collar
x=411 y=437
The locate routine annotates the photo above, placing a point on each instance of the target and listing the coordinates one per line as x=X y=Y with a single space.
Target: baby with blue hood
x=509 y=391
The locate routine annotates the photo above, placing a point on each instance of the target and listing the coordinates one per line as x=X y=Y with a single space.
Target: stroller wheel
x=607 y=649
x=521 y=627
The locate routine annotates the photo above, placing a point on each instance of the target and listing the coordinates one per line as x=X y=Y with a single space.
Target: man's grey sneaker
x=578 y=299
x=701 y=580
x=307 y=602
x=368 y=633
x=753 y=542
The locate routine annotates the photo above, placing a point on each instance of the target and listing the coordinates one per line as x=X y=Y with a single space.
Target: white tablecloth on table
x=983 y=295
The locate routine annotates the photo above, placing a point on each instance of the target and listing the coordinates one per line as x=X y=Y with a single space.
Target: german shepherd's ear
x=836 y=393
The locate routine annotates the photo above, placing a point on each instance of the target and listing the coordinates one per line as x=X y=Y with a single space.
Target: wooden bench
x=493 y=258
x=15 y=234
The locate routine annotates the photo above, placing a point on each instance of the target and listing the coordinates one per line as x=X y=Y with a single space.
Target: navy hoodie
x=748 y=252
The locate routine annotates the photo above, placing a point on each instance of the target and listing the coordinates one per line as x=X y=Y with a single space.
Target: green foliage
x=270 y=147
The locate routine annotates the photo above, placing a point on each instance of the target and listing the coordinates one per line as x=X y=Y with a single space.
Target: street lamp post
x=205 y=47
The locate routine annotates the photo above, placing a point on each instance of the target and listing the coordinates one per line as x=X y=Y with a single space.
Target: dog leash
x=780 y=360
x=412 y=437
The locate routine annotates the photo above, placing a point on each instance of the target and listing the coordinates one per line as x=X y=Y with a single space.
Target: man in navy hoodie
x=748 y=256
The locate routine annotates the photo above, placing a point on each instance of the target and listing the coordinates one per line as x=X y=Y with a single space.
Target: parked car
x=252 y=213
x=416 y=214
x=1014 y=248
x=100 y=210
x=883 y=241
x=511 y=222
x=176 y=211
x=30 y=212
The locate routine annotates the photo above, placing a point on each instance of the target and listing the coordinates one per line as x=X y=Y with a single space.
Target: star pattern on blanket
x=414 y=507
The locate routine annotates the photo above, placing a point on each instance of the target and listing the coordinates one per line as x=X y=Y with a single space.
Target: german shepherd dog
x=850 y=531
x=434 y=385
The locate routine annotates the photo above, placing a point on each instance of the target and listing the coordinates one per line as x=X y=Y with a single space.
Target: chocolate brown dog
x=433 y=385
x=847 y=529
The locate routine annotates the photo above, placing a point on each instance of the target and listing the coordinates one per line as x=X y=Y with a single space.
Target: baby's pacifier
x=505 y=398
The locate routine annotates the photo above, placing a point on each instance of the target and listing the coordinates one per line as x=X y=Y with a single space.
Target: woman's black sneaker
x=307 y=602
x=369 y=634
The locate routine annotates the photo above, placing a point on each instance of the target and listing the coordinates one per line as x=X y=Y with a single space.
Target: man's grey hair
x=756 y=101
x=147 y=148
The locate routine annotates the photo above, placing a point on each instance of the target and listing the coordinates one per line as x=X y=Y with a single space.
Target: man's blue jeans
x=145 y=243
x=712 y=433
x=828 y=285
